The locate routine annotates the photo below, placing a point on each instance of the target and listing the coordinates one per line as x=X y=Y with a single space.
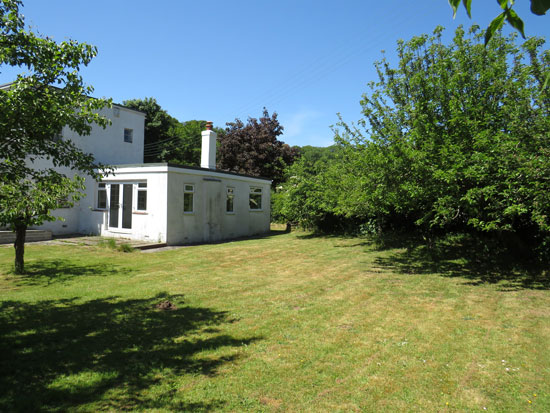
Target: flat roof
x=193 y=168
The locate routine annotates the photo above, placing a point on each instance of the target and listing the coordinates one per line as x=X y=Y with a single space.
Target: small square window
x=128 y=135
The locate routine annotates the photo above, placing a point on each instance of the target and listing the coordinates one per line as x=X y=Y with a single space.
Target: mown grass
x=289 y=322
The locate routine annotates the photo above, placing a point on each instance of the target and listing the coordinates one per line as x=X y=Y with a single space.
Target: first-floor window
x=188 y=192
x=229 y=205
x=255 y=198
x=142 y=196
x=101 y=196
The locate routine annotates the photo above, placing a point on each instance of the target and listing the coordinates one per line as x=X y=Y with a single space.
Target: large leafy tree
x=49 y=96
x=254 y=149
x=455 y=136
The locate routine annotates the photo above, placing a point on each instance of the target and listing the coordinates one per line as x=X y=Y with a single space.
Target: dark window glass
x=255 y=200
x=128 y=135
x=229 y=204
x=102 y=199
x=142 y=201
x=142 y=196
x=188 y=202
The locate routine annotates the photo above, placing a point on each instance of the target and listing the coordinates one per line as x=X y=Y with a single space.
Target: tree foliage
x=254 y=149
x=309 y=195
x=453 y=137
x=34 y=109
x=185 y=147
x=166 y=138
x=509 y=15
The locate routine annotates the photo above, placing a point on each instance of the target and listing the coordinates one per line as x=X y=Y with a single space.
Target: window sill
x=188 y=213
x=255 y=210
x=120 y=230
x=98 y=210
x=140 y=213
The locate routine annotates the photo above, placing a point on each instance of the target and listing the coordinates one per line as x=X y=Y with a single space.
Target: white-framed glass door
x=120 y=206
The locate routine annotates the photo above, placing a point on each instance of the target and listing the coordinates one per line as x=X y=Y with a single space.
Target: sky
x=221 y=60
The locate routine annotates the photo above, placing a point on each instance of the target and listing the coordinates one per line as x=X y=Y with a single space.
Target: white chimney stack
x=208 y=150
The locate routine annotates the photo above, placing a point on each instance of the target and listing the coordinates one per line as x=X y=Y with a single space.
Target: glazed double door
x=120 y=206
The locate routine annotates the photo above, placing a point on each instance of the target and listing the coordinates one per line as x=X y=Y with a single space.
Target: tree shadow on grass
x=47 y=272
x=480 y=260
x=108 y=354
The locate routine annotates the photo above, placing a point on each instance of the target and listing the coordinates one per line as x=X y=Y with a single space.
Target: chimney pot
x=209 y=125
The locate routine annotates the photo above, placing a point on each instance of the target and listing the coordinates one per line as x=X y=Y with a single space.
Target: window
x=188 y=191
x=229 y=205
x=142 y=196
x=128 y=135
x=63 y=202
x=255 y=198
x=101 y=196
x=58 y=137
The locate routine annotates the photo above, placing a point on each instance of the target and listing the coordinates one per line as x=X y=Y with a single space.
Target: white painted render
x=208 y=149
x=108 y=147
x=164 y=219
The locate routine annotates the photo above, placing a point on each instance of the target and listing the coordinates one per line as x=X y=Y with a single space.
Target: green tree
x=309 y=195
x=185 y=146
x=158 y=127
x=254 y=149
x=538 y=7
x=454 y=136
x=33 y=110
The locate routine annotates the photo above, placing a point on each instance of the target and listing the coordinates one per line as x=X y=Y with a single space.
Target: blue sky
x=220 y=60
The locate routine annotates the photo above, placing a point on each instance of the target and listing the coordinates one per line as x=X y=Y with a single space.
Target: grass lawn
x=289 y=322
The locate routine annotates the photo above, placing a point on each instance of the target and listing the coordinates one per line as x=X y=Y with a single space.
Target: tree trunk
x=19 y=245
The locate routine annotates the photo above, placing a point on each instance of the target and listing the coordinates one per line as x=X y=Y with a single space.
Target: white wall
x=149 y=225
x=164 y=220
x=108 y=147
x=209 y=221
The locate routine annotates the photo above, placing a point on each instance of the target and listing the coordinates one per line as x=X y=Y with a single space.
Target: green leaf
x=515 y=21
x=546 y=81
x=495 y=25
x=540 y=7
x=454 y=5
x=503 y=4
x=468 y=7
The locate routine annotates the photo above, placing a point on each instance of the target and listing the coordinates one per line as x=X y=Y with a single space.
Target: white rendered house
x=161 y=202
